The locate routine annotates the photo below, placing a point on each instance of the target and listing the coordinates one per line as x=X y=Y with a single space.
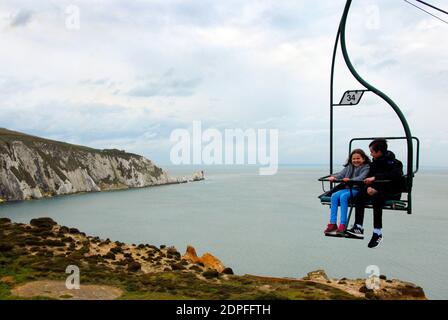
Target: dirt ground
x=58 y=290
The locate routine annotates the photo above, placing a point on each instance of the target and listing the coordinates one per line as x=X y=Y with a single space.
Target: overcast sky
x=136 y=70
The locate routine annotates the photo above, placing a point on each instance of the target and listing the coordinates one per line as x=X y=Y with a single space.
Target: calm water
x=266 y=225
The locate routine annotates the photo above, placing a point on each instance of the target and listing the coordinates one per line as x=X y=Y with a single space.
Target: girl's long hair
x=361 y=153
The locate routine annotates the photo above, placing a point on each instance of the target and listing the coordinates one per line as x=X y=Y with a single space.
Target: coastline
x=35 y=256
x=195 y=177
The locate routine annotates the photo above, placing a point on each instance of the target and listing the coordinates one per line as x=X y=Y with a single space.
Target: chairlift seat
x=401 y=205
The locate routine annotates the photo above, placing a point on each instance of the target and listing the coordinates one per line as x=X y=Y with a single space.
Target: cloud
x=10 y=85
x=134 y=71
x=95 y=81
x=21 y=18
x=168 y=85
x=385 y=64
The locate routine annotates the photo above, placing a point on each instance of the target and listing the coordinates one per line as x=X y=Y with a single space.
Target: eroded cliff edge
x=33 y=168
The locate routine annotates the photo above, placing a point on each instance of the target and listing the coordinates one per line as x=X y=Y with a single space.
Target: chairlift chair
x=353 y=98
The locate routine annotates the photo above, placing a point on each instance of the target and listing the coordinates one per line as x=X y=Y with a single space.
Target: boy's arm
x=395 y=172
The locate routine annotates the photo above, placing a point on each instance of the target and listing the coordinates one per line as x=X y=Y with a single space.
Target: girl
x=356 y=169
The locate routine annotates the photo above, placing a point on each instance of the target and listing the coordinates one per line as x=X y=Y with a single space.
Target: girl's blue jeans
x=342 y=198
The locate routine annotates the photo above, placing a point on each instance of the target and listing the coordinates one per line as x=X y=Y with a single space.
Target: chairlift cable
x=432 y=6
x=426 y=11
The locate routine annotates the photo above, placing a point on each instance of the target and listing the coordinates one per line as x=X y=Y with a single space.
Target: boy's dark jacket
x=387 y=167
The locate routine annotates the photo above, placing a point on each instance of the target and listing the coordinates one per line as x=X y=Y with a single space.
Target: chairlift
x=353 y=98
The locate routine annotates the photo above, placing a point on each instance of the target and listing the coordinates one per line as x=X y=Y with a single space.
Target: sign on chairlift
x=351 y=98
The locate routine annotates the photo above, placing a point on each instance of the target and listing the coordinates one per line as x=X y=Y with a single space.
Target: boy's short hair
x=379 y=145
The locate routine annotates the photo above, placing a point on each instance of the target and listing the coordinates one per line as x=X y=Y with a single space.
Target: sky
x=125 y=74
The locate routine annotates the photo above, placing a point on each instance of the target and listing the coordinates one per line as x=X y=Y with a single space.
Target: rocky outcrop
x=33 y=168
x=383 y=289
x=207 y=259
x=318 y=275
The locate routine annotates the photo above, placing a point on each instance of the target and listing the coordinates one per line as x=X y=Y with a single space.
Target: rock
x=190 y=255
x=43 y=223
x=173 y=251
x=177 y=266
x=383 y=277
x=207 y=259
x=4 y=247
x=134 y=267
x=5 y=221
x=211 y=261
x=109 y=255
x=129 y=260
x=371 y=295
x=73 y=231
x=183 y=262
x=411 y=290
x=116 y=250
x=227 y=271
x=7 y=279
x=197 y=176
x=53 y=243
x=195 y=268
x=120 y=263
x=318 y=275
x=363 y=289
x=64 y=229
x=209 y=274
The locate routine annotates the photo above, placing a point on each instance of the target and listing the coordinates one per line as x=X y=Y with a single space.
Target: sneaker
x=331 y=227
x=356 y=232
x=341 y=229
x=375 y=241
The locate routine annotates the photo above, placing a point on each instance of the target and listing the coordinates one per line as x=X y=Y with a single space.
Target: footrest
x=345 y=235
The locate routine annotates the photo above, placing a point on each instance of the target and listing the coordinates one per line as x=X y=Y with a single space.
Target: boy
x=384 y=166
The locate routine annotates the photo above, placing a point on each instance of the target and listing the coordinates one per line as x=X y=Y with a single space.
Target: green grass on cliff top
x=8 y=136
x=19 y=264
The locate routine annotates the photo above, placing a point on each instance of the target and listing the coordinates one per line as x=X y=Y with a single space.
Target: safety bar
x=392 y=138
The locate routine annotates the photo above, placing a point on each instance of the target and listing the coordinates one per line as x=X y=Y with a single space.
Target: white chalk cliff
x=33 y=168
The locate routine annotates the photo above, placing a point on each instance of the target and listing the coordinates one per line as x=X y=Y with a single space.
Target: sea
x=264 y=225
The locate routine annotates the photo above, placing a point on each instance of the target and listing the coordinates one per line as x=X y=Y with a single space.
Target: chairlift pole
x=331 y=99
